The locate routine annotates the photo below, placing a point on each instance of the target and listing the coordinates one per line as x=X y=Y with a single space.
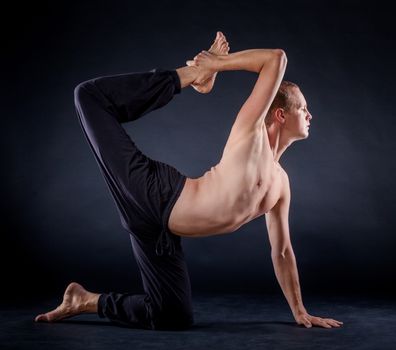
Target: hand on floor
x=308 y=321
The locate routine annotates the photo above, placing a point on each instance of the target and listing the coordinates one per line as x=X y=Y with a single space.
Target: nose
x=309 y=116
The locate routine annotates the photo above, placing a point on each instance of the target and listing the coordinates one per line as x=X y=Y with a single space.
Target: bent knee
x=174 y=319
x=81 y=93
x=87 y=96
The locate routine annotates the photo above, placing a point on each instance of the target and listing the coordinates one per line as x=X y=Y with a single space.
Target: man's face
x=298 y=118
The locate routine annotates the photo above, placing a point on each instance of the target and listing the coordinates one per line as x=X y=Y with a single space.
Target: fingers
x=334 y=323
x=309 y=321
x=322 y=322
x=305 y=321
x=326 y=322
x=330 y=322
x=202 y=55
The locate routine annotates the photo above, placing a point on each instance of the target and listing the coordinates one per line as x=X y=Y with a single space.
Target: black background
x=59 y=222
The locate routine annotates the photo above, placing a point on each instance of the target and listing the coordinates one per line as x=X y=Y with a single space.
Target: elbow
x=280 y=253
x=280 y=56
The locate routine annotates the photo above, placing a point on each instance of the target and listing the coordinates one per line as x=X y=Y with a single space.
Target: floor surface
x=221 y=321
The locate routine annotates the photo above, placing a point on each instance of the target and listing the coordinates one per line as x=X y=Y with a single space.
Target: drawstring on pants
x=165 y=243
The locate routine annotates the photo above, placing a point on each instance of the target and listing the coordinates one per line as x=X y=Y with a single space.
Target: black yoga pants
x=144 y=191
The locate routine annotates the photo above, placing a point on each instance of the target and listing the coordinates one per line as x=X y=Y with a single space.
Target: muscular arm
x=285 y=265
x=252 y=60
x=270 y=64
x=282 y=254
x=285 y=268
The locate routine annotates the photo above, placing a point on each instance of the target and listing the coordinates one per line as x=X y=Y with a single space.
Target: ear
x=279 y=115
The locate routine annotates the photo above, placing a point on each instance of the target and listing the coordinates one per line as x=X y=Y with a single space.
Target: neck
x=279 y=142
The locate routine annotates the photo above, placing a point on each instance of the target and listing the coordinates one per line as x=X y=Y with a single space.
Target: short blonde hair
x=284 y=98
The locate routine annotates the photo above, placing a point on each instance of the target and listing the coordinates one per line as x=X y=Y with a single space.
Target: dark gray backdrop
x=59 y=222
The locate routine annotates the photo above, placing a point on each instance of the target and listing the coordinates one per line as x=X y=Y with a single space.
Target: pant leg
x=167 y=302
x=143 y=191
x=102 y=104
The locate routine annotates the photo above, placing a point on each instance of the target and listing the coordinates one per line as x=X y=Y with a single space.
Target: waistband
x=166 y=238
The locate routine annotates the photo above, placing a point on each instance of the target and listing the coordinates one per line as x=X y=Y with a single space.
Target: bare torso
x=245 y=184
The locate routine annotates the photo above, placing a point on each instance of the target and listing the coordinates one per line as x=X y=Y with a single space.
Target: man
x=158 y=205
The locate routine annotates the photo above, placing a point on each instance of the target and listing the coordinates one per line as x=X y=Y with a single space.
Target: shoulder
x=285 y=177
x=285 y=187
x=238 y=139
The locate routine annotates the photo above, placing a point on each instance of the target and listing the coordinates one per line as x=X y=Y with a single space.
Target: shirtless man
x=247 y=182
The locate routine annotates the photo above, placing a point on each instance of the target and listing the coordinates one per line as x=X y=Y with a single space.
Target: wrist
x=221 y=63
x=298 y=311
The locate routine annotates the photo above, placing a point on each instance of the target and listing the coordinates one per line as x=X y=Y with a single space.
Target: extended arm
x=253 y=60
x=285 y=265
x=282 y=254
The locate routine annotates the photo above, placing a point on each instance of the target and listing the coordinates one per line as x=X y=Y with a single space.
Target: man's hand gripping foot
x=204 y=84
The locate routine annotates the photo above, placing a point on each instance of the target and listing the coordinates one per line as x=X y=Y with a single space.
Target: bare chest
x=269 y=196
x=257 y=180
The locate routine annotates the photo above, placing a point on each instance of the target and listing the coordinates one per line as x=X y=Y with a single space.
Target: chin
x=301 y=136
x=304 y=136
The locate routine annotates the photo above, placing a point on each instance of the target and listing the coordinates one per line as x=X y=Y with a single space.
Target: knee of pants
x=173 y=318
x=80 y=93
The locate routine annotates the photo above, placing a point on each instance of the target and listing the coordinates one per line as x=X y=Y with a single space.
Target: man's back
x=245 y=184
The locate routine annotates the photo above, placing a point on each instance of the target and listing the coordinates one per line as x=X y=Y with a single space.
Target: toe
x=51 y=316
x=224 y=47
x=219 y=43
x=40 y=318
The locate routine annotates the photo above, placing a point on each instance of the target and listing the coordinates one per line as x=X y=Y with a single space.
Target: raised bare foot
x=219 y=47
x=76 y=300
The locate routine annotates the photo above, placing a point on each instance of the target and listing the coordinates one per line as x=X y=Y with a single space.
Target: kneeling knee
x=80 y=92
x=174 y=319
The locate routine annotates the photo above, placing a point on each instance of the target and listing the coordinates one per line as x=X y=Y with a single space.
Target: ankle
x=187 y=75
x=91 y=303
